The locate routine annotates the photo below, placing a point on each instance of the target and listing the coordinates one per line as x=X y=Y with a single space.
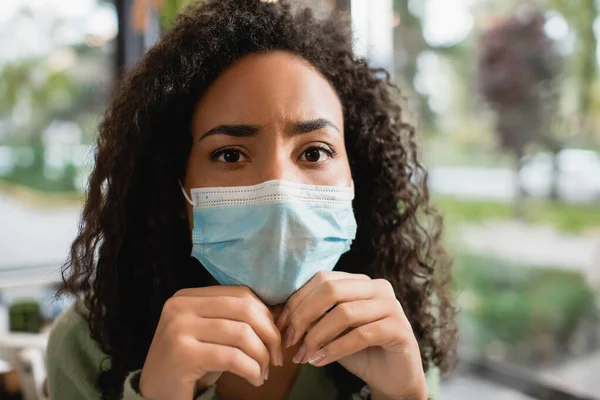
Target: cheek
x=344 y=173
x=193 y=175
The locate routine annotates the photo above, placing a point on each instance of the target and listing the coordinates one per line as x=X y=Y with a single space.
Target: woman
x=245 y=157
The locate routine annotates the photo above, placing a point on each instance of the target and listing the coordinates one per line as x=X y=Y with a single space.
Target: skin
x=274 y=117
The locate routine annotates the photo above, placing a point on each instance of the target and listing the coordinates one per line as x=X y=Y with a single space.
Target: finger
x=326 y=296
x=222 y=332
x=228 y=291
x=378 y=333
x=234 y=334
x=220 y=358
x=244 y=309
x=342 y=318
x=305 y=290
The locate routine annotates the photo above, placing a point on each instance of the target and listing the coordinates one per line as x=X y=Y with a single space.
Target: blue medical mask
x=271 y=237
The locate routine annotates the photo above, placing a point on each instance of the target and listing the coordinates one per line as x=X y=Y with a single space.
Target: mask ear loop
x=189 y=200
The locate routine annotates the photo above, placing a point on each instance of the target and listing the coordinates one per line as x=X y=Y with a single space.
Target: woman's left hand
x=358 y=322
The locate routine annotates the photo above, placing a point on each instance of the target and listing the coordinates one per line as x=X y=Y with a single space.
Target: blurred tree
x=581 y=16
x=69 y=82
x=409 y=42
x=30 y=95
x=583 y=66
x=518 y=65
x=166 y=9
x=170 y=9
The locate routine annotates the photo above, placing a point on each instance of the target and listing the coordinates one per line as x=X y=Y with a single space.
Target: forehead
x=262 y=88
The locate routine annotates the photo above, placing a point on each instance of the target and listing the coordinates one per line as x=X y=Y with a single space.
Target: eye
x=228 y=156
x=317 y=154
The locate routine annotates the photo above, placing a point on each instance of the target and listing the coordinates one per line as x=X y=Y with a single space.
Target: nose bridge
x=278 y=162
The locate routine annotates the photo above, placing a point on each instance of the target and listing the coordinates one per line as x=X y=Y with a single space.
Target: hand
x=358 y=322
x=204 y=332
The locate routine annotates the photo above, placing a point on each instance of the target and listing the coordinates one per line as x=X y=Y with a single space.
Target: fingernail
x=289 y=337
x=317 y=358
x=280 y=358
x=266 y=374
x=283 y=319
x=300 y=354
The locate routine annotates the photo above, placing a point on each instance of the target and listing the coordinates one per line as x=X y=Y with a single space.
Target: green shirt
x=73 y=363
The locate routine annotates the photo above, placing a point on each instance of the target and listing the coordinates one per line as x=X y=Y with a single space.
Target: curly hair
x=133 y=248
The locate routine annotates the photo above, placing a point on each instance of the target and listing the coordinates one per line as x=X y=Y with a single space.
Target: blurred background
x=505 y=94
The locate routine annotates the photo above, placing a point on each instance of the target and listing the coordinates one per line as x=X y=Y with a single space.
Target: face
x=268 y=117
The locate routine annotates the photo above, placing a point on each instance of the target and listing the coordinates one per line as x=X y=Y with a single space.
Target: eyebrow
x=313 y=125
x=232 y=130
x=252 y=130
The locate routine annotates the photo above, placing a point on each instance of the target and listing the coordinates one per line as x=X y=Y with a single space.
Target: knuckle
x=249 y=307
x=347 y=311
x=329 y=288
x=264 y=358
x=172 y=307
x=365 y=334
x=272 y=337
x=232 y=358
x=245 y=332
x=249 y=312
x=386 y=286
x=321 y=276
x=181 y=347
x=175 y=327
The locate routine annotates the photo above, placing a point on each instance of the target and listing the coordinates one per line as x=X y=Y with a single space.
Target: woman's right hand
x=204 y=332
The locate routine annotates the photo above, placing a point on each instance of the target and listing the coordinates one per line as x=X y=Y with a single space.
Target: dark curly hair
x=133 y=249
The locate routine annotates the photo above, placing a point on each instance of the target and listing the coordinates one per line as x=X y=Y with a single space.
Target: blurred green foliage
x=170 y=9
x=25 y=316
x=37 y=181
x=514 y=304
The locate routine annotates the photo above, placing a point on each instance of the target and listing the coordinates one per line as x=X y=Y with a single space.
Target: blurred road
x=500 y=184
x=33 y=243
x=471 y=182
